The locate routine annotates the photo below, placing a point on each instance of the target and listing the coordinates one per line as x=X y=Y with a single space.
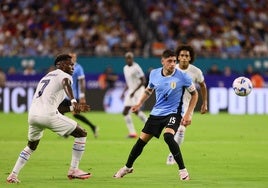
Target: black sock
x=174 y=149
x=135 y=152
x=85 y=120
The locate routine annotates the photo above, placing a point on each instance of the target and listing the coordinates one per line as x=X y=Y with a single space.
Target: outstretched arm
x=148 y=92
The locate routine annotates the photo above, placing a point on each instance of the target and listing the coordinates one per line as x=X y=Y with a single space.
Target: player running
x=185 y=56
x=45 y=114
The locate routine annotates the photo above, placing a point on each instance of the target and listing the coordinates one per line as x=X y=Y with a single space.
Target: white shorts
x=56 y=122
x=131 y=101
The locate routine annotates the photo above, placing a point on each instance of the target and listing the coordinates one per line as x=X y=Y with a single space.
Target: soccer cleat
x=78 y=174
x=132 y=136
x=170 y=160
x=12 y=178
x=184 y=175
x=123 y=171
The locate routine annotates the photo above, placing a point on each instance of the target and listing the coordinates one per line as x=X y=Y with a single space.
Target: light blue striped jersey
x=169 y=91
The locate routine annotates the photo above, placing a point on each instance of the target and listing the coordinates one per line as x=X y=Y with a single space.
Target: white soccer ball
x=242 y=86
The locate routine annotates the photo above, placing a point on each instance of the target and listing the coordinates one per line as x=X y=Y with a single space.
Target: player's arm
x=147 y=93
x=203 y=90
x=124 y=91
x=82 y=92
x=66 y=83
x=187 y=118
x=142 y=83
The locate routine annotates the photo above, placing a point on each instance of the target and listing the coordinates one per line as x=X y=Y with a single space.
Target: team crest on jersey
x=173 y=85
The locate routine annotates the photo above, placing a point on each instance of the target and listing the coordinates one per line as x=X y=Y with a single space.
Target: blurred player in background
x=79 y=89
x=169 y=84
x=44 y=113
x=135 y=81
x=185 y=56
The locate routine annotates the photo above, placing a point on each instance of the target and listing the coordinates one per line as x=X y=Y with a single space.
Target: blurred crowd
x=229 y=28
x=221 y=28
x=43 y=28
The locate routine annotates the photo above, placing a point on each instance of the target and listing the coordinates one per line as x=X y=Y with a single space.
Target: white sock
x=24 y=156
x=78 y=150
x=142 y=116
x=130 y=125
x=179 y=136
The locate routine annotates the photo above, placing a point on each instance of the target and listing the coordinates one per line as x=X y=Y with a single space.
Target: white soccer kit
x=43 y=112
x=197 y=77
x=132 y=76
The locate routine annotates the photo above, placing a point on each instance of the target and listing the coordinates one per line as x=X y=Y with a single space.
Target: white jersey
x=49 y=93
x=132 y=76
x=197 y=77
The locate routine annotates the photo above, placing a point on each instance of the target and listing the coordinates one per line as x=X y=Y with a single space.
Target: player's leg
x=65 y=126
x=34 y=135
x=129 y=122
x=93 y=127
x=134 y=154
x=77 y=153
x=179 y=138
x=174 y=148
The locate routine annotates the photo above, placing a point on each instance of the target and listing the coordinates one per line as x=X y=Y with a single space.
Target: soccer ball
x=242 y=86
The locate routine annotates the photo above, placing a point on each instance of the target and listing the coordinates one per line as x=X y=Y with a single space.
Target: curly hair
x=186 y=48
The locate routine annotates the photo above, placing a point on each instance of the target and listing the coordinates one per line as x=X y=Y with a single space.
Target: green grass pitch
x=219 y=151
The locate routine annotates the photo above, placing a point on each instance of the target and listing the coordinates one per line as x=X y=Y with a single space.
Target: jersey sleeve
x=150 y=83
x=65 y=75
x=139 y=71
x=200 y=77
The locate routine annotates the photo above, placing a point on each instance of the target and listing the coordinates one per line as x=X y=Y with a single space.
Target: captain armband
x=191 y=88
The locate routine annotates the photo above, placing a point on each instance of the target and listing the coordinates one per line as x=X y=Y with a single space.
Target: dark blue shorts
x=155 y=124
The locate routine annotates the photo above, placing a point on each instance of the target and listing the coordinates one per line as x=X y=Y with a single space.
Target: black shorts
x=155 y=124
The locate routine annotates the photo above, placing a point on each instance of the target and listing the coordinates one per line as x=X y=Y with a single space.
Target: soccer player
x=135 y=81
x=45 y=114
x=185 y=56
x=169 y=84
x=79 y=90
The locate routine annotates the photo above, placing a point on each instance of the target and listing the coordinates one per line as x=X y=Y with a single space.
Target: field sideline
x=219 y=151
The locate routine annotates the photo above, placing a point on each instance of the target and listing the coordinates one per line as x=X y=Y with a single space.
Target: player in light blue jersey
x=79 y=90
x=169 y=85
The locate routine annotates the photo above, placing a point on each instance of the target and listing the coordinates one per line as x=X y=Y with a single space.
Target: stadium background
x=100 y=32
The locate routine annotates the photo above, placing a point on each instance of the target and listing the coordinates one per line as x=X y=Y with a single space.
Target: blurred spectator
x=11 y=70
x=39 y=28
x=28 y=66
x=228 y=71
x=214 y=70
x=249 y=71
x=107 y=79
x=257 y=80
x=2 y=78
x=223 y=28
